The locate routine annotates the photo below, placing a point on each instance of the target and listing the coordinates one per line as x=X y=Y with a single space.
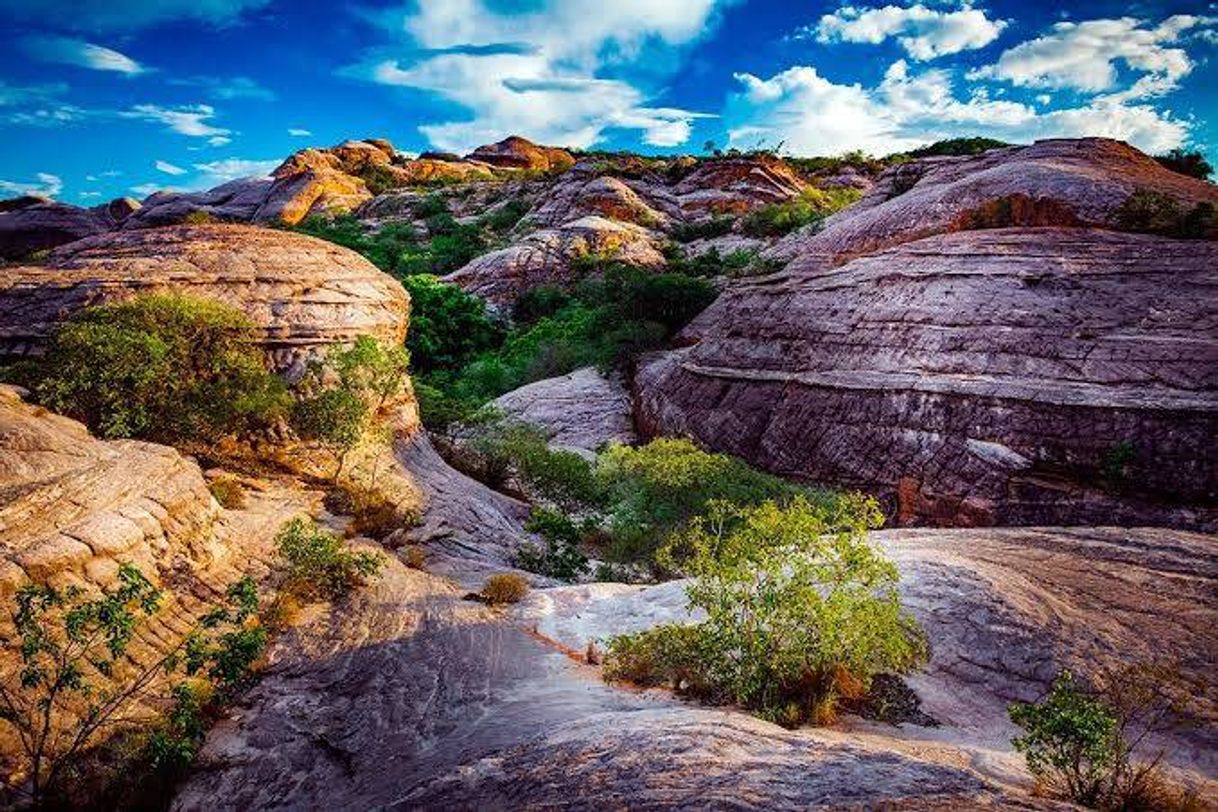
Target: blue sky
x=102 y=98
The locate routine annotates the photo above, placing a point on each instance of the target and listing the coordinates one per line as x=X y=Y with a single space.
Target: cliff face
x=1012 y=376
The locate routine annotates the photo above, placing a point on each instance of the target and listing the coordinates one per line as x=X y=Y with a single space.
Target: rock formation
x=1011 y=376
x=550 y=257
x=32 y=224
x=736 y=185
x=581 y=411
x=303 y=293
x=515 y=152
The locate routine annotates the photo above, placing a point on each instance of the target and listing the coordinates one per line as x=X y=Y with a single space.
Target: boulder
x=31 y=224
x=734 y=186
x=546 y=257
x=581 y=411
x=235 y=201
x=575 y=196
x=515 y=152
x=303 y=294
x=1058 y=182
x=1009 y=376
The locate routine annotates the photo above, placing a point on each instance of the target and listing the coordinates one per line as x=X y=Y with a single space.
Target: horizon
x=120 y=100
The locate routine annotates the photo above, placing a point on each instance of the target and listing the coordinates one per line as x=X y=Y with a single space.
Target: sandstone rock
x=30 y=224
x=515 y=152
x=1014 y=376
x=576 y=196
x=235 y=201
x=736 y=186
x=545 y=257
x=304 y=294
x=583 y=410
x=1059 y=182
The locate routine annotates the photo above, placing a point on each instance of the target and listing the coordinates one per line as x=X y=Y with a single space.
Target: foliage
x=811 y=206
x=318 y=565
x=448 y=326
x=702 y=229
x=199 y=217
x=560 y=556
x=164 y=366
x=801 y=610
x=1155 y=212
x=76 y=683
x=538 y=303
x=1192 y=163
x=958 y=146
x=1079 y=742
x=340 y=397
x=228 y=492
x=562 y=478
x=384 y=247
x=656 y=488
x=819 y=166
x=505 y=587
x=379 y=178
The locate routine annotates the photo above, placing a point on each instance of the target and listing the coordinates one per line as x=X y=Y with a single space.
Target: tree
x=75 y=685
x=318 y=565
x=801 y=610
x=448 y=326
x=1192 y=163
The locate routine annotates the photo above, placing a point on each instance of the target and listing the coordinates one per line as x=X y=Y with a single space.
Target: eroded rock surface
x=1014 y=376
x=515 y=152
x=583 y=410
x=302 y=293
x=32 y=224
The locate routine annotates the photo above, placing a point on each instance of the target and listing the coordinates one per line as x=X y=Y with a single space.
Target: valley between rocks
x=972 y=342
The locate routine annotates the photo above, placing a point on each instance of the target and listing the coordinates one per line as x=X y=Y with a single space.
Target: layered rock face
x=30 y=224
x=736 y=185
x=303 y=294
x=549 y=257
x=515 y=152
x=1012 y=376
x=1058 y=182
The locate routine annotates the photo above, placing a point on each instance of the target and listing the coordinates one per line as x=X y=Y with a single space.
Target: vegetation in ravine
x=1191 y=163
x=812 y=206
x=1154 y=212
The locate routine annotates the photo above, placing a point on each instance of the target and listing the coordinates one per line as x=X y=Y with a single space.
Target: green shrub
x=1192 y=163
x=559 y=557
x=801 y=611
x=702 y=229
x=199 y=217
x=811 y=206
x=505 y=587
x=164 y=367
x=228 y=492
x=379 y=178
x=562 y=478
x=958 y=146
x=384 y=247
x=448 y=326
x=1154 y=212
x=539 y=302
x=317 y=565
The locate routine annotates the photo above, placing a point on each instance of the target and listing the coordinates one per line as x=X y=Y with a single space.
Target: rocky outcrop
x=577 y=195
x=1059 y=182
x=736 y=185
x=515 y=152
x=1013 y=376
x=583 y=410
x=32 y=224
x=236 y=201
x=303 y=294
x=549 y=257
x=1005 y=610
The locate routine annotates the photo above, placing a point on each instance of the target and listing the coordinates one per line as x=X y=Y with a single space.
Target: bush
x=318 y=565
x=958 y=146
x=1156 y=212
x=384 y=247
x=228 y=492
x=505 y=587
x=164 y=367
x=802 y=610
x=563 y=478
x=560 y=556
x=448 y=326
x=812 y=206
x=1078 y=743
x=538 y=303
x=1192 y=163
x=702 y=229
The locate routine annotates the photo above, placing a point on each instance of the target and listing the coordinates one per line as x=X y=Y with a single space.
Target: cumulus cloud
x=539 y=73
x=924 y=33
x=47 y=185
x=107 y=15
x=813 y=115
x=233 y=168
x=169 y=169
x=1085 y=56
x=81 y=54
x=188 y=120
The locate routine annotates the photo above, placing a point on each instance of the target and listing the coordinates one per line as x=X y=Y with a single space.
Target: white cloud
x=145 y=189
x=11 y=95
x=813 y=115
x=1085 y=56
x=81 y=54
x=47 y=185
x=227 y=88
x=89 y=194
x=538 y=73
x=215 y=172
x=189 y=120
x=219 y=140
x=923 y=32
x=298 y=132
x=129 y=15
x=169 y=169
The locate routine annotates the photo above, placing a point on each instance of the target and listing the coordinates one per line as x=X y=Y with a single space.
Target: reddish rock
x=515 y=152
x=1011 y=376
x=736 y=185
